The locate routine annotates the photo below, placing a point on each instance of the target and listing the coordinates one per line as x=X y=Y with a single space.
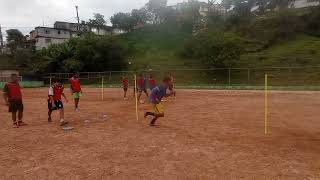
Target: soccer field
x=205 y=134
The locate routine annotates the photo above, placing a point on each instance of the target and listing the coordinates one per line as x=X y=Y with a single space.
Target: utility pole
x=78 y=28
x=1 y=39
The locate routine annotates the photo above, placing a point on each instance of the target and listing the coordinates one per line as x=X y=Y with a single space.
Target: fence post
x=110 y=76
x=229 y=76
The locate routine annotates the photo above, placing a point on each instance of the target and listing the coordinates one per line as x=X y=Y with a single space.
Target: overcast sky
x=27 y=14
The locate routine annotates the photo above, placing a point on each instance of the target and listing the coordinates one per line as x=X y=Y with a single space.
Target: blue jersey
x=157 y=94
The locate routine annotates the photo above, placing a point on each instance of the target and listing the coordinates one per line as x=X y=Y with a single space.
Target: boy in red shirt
x=76 y=90
x=141 y=87
x=13 y=98
x=55 y=101
x=125 y=85
x=151 y=82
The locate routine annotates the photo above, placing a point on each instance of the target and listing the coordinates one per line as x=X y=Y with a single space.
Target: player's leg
x=76 y=97
x=14 y=119
x=20 y=114
x=146 y=92
x=13 y=111
x=59 y=105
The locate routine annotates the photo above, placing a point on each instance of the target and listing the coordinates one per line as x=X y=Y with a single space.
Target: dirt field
x=205 y=135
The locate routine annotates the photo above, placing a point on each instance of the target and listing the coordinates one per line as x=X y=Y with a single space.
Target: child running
x=76 y=90
x=141 y=87
x=172 y=85
x=13 y=98
x=125 y=85
x=156 y=95
x=55 y=101
x=151 y=82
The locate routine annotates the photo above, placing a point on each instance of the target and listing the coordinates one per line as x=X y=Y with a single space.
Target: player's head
x=167 y=80
x=75 y=75
x=14 y=78
x=151 y=76
x=57 y=82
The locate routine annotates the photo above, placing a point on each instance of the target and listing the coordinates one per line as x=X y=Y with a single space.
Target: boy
x=13 y=98
x=76 y=90
x=156 y=95
x=171 y=87
x=141 y=87
x=55 y=101
x=125 y=85
x=151 y=82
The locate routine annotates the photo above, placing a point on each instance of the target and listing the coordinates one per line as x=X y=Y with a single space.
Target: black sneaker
x=63 y=123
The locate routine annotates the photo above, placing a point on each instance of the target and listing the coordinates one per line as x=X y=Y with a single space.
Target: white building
x=303 y=3
x=45 y=36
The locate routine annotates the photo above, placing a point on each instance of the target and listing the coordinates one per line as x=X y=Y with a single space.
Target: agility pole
x=266 y=104
x=102 y=89
x=136 y=96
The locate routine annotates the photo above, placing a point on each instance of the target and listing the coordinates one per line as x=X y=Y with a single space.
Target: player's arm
x=64 y=96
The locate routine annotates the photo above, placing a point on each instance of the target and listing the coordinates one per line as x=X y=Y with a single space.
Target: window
x=59 y=32
x=47 y=31
x=48 y=40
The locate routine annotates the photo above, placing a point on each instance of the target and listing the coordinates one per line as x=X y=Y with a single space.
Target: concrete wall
x=45 y=42
x=304 y=3
x=53 y=33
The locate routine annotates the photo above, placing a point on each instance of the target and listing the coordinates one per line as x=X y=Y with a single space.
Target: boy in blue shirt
x=155 y=97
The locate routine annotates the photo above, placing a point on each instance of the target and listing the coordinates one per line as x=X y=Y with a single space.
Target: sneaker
x=21 y=123
x=77 y=109
x=15 y=125
x=63 y=123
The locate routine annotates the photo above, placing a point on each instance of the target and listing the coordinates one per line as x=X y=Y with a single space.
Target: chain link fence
x=224 y=78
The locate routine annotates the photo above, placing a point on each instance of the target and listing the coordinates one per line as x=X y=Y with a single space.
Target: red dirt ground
x=205 y=135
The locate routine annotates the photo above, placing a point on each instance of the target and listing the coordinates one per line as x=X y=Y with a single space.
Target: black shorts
x=125 y=88
x=58 y=105
x=15 y=106
x=140 y=90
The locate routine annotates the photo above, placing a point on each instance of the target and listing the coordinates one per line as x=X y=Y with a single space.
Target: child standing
x=156 y=95
x=141 y=87
x=151 y=82
x=172 y=86
x=13 y=98
x=125 y=85
x=55 y=101
x=76 y=90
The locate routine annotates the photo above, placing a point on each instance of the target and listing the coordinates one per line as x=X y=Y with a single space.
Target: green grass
x=27 y=84
x=301 y=50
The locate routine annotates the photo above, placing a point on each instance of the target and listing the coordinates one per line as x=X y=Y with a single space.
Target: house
x=291 y=4
x=205 y=8
x=303 y=3
x=73 y=27
x=45 y=36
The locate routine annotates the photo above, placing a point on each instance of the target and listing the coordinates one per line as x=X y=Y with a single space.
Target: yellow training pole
x=136 y=96
x=266 y=104
x=102 y=90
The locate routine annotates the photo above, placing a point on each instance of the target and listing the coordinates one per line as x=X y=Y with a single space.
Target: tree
x=124 y=21
x=15 y=39
x=140 y=15
x=98 y=21
x=156 y=6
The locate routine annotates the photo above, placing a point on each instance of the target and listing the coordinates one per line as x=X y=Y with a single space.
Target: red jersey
x=13 y=91
x=57 y=92
x=140 y=82
x=125 y=82
x=152 y=83
x=75 y=85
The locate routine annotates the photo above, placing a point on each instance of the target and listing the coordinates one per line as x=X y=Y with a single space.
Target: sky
x=27 y=14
